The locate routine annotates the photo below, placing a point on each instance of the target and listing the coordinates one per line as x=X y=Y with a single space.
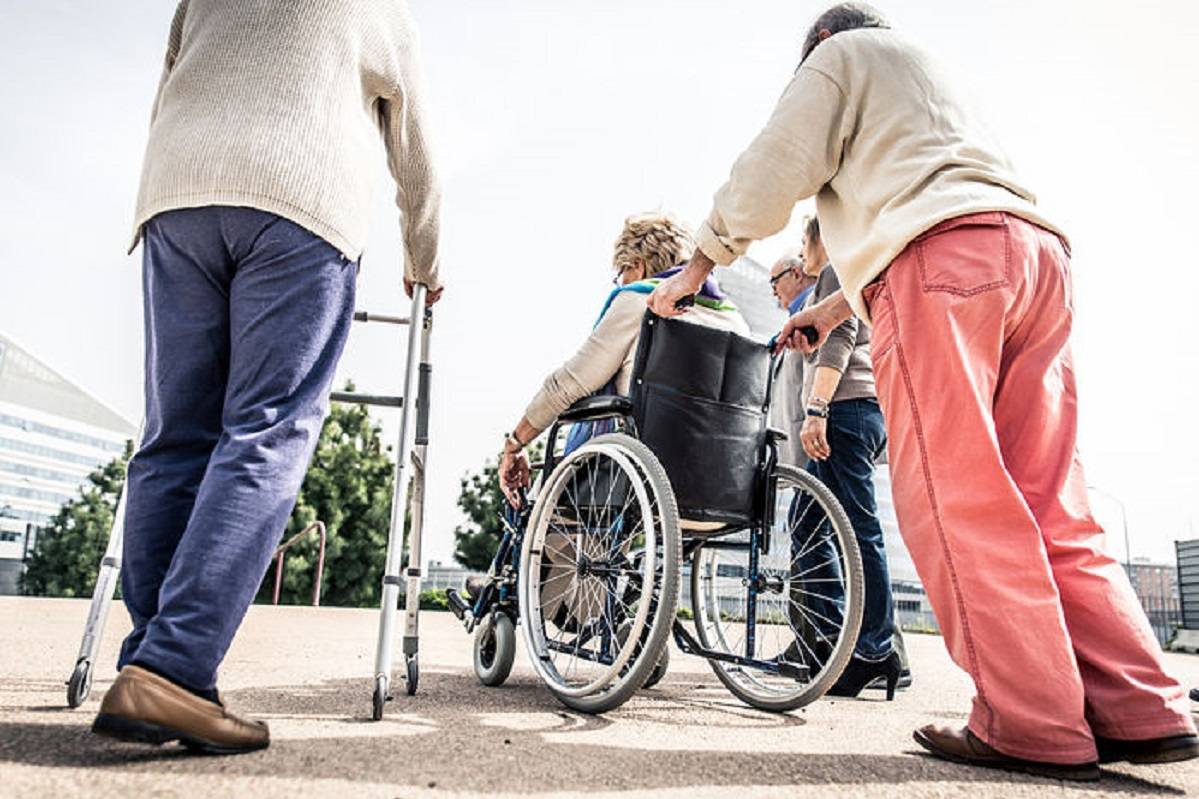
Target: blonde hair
x=659 y=240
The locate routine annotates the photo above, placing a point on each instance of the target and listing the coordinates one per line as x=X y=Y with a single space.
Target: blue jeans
x=246 y=315
x=856 y=437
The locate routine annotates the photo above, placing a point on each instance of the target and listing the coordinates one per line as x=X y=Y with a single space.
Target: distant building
x=1156 y=586
x=52 y=435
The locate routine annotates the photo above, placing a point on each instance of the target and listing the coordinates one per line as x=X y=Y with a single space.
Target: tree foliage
x=348 y=487
x=482 y=501
x=66 y=558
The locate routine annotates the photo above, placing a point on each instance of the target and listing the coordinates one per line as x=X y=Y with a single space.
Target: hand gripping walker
x=413 y=444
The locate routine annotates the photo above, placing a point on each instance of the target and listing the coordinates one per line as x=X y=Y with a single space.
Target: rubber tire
x=79 y=687
x=499 y=629
x=412 y=674
x=659 y=671
x=845 y=646
x=672 y=549
x=379 y=699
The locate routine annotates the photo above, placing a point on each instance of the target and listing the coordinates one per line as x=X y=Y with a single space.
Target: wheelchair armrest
x=774 y=434
x=597 y=408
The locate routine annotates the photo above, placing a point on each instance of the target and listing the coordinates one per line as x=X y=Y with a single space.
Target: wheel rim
x=578 y=589
x=807 y=573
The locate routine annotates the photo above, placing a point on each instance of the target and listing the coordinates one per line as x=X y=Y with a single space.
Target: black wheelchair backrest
x=700 y=401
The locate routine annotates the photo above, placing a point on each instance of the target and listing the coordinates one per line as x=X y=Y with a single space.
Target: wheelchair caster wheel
x=380 y=698
x=413 y=675
x=79 y=687
x=495 y=649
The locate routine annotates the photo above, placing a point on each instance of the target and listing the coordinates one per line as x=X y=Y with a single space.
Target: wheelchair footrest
x=456 y=603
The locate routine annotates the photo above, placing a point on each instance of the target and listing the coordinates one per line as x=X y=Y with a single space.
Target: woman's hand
x=514 y=474
x=684 y=284
x=814 y=438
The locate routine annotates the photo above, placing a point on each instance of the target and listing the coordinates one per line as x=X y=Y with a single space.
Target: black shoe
x=860 y=673
x=905 y=681
x=812 y=654
x=1195 y=694
x=1170 y=749
x=474 y=586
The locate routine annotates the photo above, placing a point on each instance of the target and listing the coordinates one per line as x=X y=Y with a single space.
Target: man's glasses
x=774 y=281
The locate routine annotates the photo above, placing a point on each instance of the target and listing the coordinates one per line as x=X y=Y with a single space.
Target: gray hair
x=842 y=17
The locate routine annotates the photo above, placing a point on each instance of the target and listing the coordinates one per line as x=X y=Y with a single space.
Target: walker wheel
x=413 y=675
x=380 y=698
x=79 y=687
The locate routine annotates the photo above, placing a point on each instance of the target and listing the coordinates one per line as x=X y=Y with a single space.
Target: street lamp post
x=1124 y=521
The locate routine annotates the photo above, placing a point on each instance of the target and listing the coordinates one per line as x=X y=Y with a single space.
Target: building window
x=57 y=432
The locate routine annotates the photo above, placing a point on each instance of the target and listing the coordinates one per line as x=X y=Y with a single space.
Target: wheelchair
x=688 y=486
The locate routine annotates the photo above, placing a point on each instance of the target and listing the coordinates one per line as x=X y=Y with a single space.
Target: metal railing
x=320 y=562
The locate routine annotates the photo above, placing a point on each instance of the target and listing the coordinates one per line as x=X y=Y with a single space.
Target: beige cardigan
x=608 y=352
x=280 y=105
x=873 y=128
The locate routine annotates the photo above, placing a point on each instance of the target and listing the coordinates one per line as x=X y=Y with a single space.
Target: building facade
x=53 y=434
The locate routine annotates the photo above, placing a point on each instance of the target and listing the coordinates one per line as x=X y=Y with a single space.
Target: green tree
x=348 y=487
x=483 y=503
x=66 y=558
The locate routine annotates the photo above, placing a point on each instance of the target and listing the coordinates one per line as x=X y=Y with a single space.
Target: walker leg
x=395 y=536
x=415 y=535
x=79 y=686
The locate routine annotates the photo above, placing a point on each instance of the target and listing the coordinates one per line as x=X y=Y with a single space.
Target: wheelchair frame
x=413 y=445
x=498 y=594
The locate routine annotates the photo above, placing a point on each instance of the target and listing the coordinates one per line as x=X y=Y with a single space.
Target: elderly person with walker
x=255 y=197
x=942 y=249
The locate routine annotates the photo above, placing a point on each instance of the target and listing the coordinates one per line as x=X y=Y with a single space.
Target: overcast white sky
x=557 y=119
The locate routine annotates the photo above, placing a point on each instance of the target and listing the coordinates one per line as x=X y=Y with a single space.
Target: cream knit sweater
x=872 y=126
x=280 y=105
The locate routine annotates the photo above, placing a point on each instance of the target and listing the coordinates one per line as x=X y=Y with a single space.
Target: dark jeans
x=246 y=316
x=856 y=437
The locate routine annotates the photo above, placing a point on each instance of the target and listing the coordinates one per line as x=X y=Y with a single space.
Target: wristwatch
x=820 y=411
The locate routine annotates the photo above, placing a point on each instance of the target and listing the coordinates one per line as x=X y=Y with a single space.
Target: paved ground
x=308 y=672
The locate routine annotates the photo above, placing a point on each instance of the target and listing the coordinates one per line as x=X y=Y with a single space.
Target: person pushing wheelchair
x=942 y=249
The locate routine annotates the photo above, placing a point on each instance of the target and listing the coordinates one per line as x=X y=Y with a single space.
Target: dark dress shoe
x=860 y=674
x=1170 y=749
x=963 y=746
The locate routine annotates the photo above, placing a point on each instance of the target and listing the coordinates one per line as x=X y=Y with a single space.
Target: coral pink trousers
x=972 y=359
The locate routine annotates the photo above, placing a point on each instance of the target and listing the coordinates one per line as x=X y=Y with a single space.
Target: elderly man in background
x=256 y=192
x=941 y=247
x=791 y=286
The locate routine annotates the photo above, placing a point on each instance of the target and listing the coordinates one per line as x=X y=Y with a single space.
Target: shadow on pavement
x=456 y=735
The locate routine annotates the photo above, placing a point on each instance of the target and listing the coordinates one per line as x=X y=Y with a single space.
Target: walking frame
x=413 y=446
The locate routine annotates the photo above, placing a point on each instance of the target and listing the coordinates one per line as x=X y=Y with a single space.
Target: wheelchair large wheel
x=599 y=573
x=808 y=598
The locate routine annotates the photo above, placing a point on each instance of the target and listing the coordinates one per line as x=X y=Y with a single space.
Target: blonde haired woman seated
x=650 y=248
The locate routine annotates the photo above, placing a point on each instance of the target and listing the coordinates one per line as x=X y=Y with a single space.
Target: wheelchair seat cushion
x=700 y=403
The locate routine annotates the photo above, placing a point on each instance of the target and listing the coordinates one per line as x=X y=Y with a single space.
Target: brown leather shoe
x=1170 y=749
x=963 y=746
x=145 y=708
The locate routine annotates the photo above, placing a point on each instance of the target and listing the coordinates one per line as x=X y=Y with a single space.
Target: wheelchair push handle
x=807 y=331
x=683 y=303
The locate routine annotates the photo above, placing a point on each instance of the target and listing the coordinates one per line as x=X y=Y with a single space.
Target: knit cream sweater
x=872 y=126
x=280 y=105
